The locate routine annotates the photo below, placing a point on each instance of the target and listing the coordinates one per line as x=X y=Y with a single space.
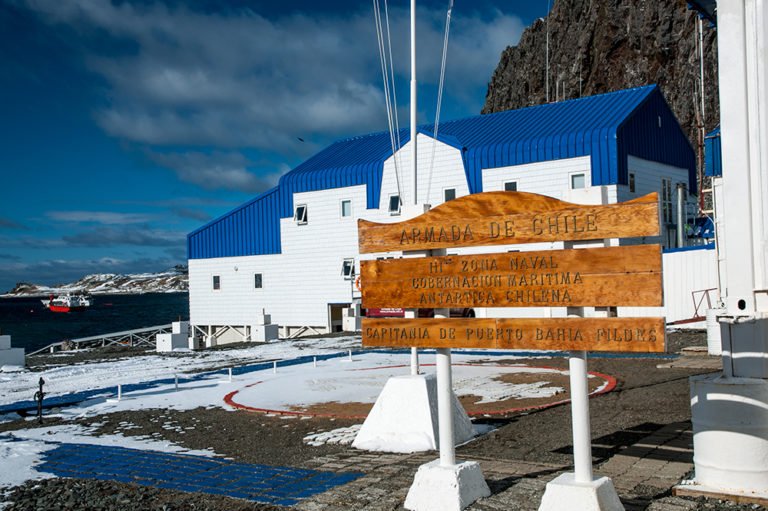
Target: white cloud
x=218 y=170
x=100 y=217
x=240 y=79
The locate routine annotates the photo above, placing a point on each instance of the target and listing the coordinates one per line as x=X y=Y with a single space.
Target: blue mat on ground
x=282 y=486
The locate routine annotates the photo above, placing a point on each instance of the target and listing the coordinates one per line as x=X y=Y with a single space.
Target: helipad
x=487 y=387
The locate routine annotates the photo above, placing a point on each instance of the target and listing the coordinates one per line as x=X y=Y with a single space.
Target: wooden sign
x=579 y=334
x=610 y=276
x=607 y=276
x=502 y=218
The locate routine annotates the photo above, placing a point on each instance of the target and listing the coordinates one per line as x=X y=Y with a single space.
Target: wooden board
x=611 y=276
x=501 y=218
x=581 y=334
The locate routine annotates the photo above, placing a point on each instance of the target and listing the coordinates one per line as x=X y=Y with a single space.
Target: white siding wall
x=444 y=170
x=648 y=176
x=686 y=276
x=299 y=284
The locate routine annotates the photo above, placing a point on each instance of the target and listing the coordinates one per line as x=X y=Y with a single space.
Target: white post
x=119 y=391
x=176 y=381
x=444 y=407
x=680 y=214
x=414 y=136
x=582 y=437
x=229 y=371
x=350 y=355
x=274 y=367
x=314 y=361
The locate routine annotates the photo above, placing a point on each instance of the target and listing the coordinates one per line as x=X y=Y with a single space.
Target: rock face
x=598 y=46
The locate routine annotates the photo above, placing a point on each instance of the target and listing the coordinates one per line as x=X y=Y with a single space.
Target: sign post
x=589 y=277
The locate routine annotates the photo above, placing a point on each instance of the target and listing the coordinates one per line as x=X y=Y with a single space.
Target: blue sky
x=126 y=125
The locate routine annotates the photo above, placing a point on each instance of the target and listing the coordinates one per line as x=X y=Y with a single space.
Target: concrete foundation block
x=170 y=342
x=446 y=488
x=564 y=492
x=264 y=333
x=5 y=342
x=12 y=357
x=180 y=327
x=404 y=418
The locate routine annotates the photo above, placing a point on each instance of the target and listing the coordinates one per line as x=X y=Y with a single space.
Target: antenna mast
x=547 y=87
x=413 y=100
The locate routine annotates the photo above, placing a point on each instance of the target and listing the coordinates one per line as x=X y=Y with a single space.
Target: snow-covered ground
x=332 y=380
x=64 y=379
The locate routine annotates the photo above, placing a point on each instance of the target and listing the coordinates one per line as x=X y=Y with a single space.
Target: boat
x=67 y=303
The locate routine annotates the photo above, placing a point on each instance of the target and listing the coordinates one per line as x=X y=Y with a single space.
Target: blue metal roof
x=350 y=162
x=713 y=156
x=607 y=128
x=250 y=229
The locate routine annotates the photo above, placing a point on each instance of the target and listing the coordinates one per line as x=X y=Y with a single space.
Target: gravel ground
x=88 y=495
x=646 y=399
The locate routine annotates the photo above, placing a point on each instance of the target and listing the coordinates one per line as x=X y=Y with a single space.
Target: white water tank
x=730 y=433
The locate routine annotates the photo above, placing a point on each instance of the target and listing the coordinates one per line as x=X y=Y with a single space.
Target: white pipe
x=350 y=355
x=229 y=370
x=445 y=407
x=681 y=214
x=176 y=381
x=413 y=100
x=119 y=391
x=414 y=361
x=314 y=361
x=582 y=438
x=274 y=367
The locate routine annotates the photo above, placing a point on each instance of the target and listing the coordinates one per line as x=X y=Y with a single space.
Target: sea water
x=32 y=326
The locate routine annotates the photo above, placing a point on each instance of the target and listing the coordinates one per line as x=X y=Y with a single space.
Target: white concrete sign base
x=404 y=418
x=730 y=433
x=564 y=492
x=451 y=488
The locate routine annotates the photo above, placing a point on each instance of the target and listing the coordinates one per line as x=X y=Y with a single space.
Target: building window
x=346 y=208
x=394 y=204
x=631 y=182
x=666 y=200
x=257 y=281
x=348 y=269
x=449 y=194
x=578 y=181
x=510 y=186
x=300 y=216
x=216 y=282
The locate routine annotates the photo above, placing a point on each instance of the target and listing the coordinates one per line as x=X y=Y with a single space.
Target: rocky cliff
x=598 y=46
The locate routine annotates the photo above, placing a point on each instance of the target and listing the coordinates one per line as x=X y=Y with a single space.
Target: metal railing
x=145 y=336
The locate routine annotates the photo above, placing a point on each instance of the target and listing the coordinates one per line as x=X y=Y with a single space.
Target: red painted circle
x=610 y=385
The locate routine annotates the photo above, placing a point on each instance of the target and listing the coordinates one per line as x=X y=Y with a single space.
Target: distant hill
x=174 y=280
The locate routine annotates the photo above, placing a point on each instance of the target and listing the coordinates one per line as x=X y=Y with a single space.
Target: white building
x=292 y=252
